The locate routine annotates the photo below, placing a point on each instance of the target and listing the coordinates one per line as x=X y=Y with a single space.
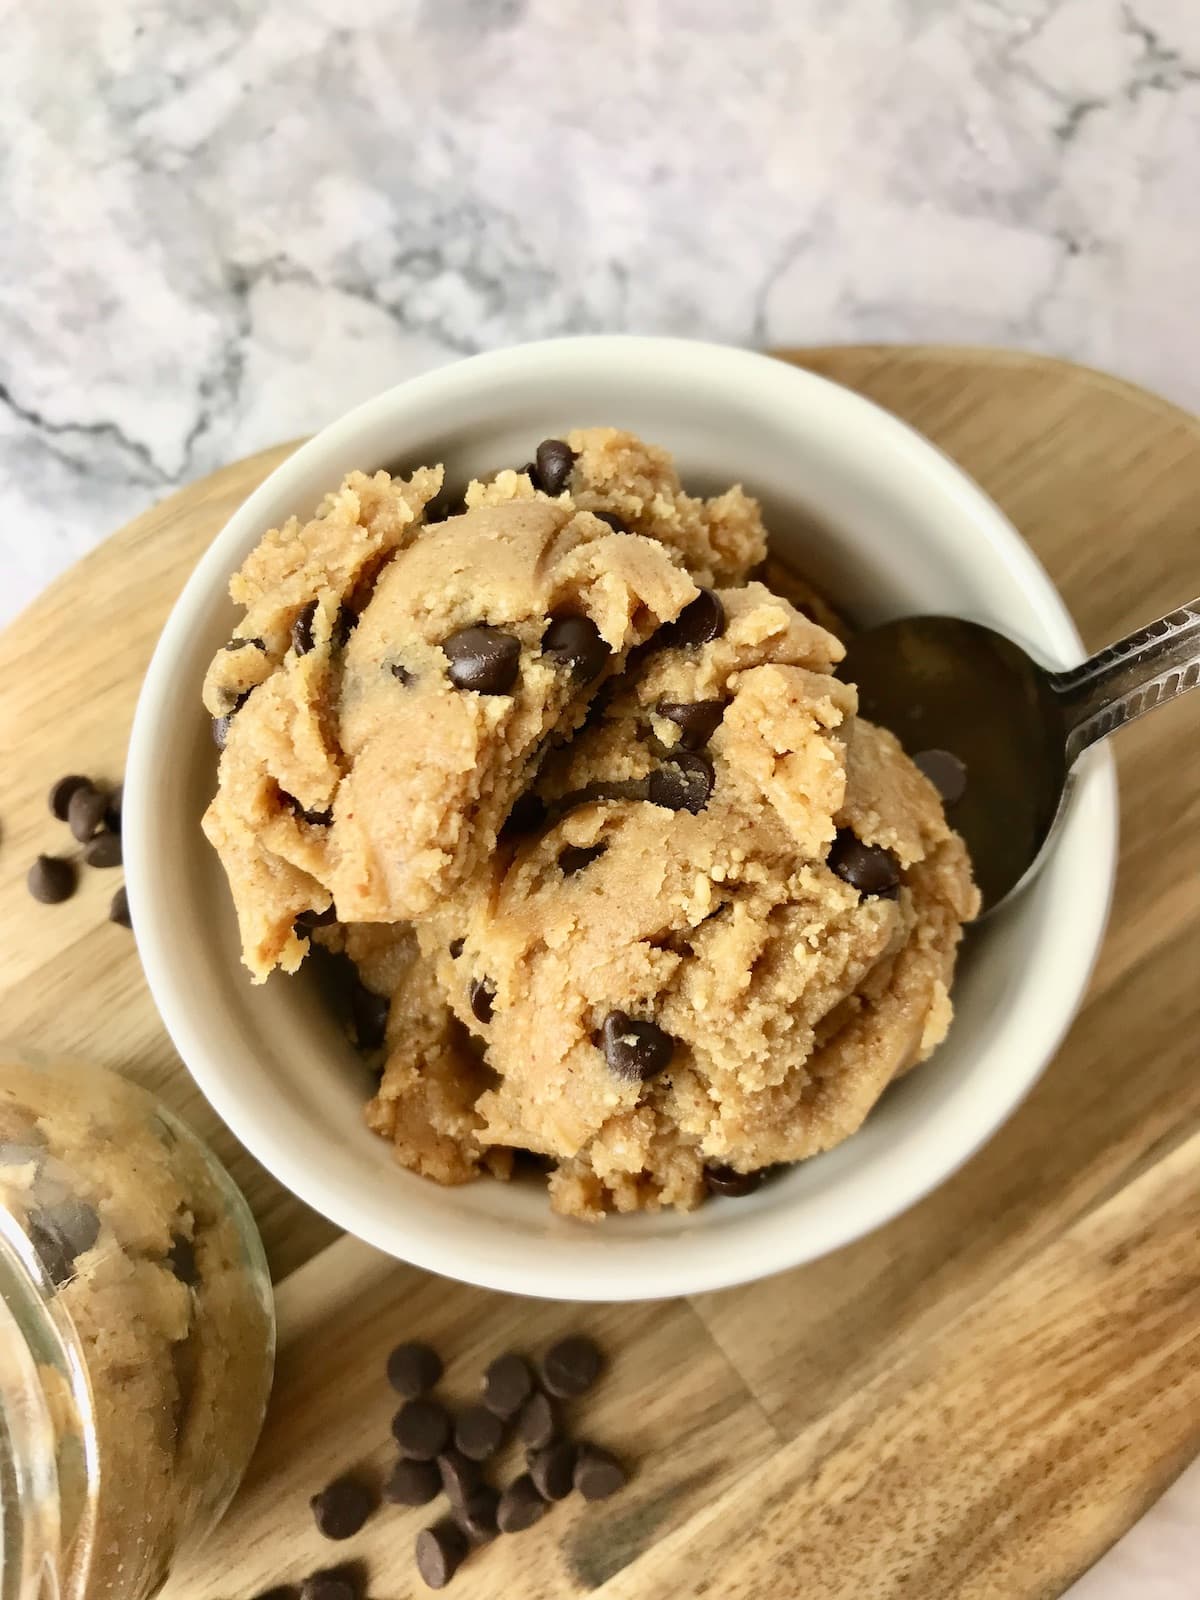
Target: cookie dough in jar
x=136 y=1336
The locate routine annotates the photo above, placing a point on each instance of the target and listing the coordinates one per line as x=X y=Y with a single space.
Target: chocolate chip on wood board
x=441 y=1550
x=413 y=1483
x=460 y=1475
x=507 y=1384
x=477 y=1516
x=553 y=1470
x=51 y=880
x=342 y=1507
x=571 y=1366
x=520 y=1506
x=345 y=1582
x=413 y=1369
x=422 y=1429
x=597 y=1473
x=537 y=1424
x=103 y=851
x=61 y=792
x=85 y=812
x=118 y=910
x=478 y=1432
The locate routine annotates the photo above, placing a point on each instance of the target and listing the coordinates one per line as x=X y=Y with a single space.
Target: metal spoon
x=998 y=733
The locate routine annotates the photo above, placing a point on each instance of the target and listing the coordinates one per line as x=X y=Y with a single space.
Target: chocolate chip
x=612 y=520
x=598 y=1474
x=727 y=1181
x=869 y=868
x=281 y=1591
x=460 y=1475
x=946 y=773
x=520 y=1506
x=344 y=625
x=507 y=1384
x=697 y=720
x=572 y=1365
x=480 y=996
x=181 y=1258
x=334 y=1583
x=553 y=1470
x=59 y=1233
x=220 y=731
x=553 y=460
x=307 y=920
x=116 y=800
x=302 y=629
x=483 y=658
x=241 y=644
x=684 y=782
x=401 y=674
x=477 y=1515
x=51 y=880
x=537 y=1425
x=478 y=1433
x=575 y=857
x=368 y=1016
x=413 y=1483
x=315 y=818
x=413 y=1369
x=527 y=815
x=441 y=1550
x=575 y=642
x=456 y=948
x=698 y=623
x=422 y=1429
x=635 y=1050
x=118 y=910
x=85 y=813
x=60 y=794
x=103 y=851
x=342 y=1507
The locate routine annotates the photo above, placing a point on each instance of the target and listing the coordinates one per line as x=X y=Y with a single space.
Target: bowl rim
x=612 y=1275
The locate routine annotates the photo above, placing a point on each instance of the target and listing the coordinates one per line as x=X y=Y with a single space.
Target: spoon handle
x=1144 y=670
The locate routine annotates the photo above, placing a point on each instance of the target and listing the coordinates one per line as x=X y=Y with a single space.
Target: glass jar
x=136 y=1336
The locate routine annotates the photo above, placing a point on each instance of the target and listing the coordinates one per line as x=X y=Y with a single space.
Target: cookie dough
x=593 y=817
x=141 y=1252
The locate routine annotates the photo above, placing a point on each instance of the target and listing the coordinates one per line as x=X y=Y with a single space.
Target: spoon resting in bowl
x=997 y=733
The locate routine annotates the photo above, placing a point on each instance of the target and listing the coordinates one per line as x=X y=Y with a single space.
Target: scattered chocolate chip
x=307 y=920
x=241 y=644
x=181 y=1258
x=526 y=817
x=342 y=1507
x=727 y=1181
x=51 y=880
x=456 y=948
x=478 y=1433
x=401 y=674
x=696 y=720
x=460 y=1475
x=483 y=658
x=572 y=1365
x=103 y=851
x=302 y=629
x=368 y=1016
x=118 y=910
x=575 y=642
x=413 y=1483
x=684 y=782
x=553 y=460
x=700 y=622
x=612 y=520
x=60 y=794
x=116 y=800
x=507 y=1384
x=575 y=857
x=441 y=1550
x=281 y=1591
x=422 y=1429
x=598 y=1474
x=477 y=1515
x=59 y=1233
x=520 y=1506
x=85 y=813
x=946 y=773
x=220 y=731
x=869 y=868
x=413 y=1369
x=553 y=1470
x=334 y=1583
x=344 y=625
x=480 y=998
x=635 y=1050
x=537 y=1424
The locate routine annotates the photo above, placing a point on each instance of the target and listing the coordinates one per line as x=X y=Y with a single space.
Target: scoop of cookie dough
x=736 y=927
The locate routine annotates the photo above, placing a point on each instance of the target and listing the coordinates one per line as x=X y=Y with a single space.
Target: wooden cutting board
x=978 y=1399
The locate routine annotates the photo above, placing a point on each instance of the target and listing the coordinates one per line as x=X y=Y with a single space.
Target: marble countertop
x=228 y=220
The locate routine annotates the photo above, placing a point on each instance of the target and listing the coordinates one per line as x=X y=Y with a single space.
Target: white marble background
x=224 y=221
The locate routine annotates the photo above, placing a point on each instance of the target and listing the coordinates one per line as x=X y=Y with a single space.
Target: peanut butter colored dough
x=676 y=870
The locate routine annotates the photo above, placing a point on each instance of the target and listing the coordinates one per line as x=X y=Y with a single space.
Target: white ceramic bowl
x=877 y=517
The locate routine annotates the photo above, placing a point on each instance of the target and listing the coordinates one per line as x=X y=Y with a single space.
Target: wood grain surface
x=976 y=1400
